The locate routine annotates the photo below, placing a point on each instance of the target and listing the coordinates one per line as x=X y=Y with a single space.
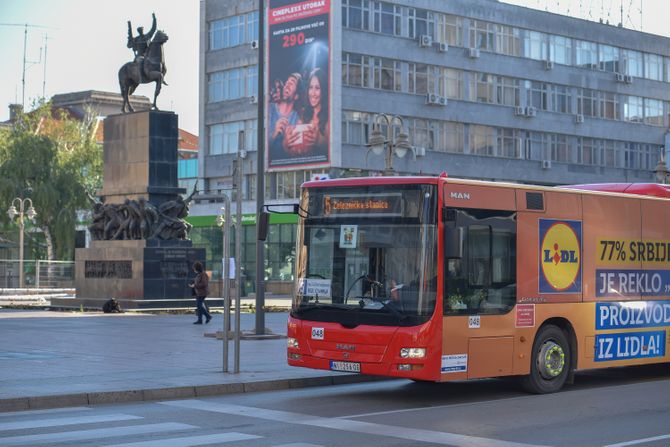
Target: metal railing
x=39 y=273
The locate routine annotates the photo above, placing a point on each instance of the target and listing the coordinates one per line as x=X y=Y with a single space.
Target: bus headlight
x=292 y=343
x=412 y=353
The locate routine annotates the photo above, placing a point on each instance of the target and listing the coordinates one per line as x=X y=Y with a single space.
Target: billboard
x=298 y=103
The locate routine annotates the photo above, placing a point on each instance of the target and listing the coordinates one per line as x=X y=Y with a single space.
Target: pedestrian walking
x=200 y=287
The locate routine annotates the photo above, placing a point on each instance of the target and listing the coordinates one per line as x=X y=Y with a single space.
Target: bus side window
x=483 y=280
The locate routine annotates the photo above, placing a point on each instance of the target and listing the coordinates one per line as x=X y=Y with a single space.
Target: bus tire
x=550 y=361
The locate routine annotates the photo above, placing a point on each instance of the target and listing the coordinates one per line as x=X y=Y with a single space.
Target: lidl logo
x=560 y=256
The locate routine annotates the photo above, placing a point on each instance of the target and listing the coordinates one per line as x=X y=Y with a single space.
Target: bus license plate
x=345 y=366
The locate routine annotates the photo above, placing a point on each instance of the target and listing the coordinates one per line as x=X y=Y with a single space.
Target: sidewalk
x=53 y=359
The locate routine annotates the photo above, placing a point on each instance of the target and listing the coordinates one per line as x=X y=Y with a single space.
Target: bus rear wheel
x=550 y=361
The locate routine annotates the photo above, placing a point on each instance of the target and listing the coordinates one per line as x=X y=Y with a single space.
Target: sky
x=87 y=44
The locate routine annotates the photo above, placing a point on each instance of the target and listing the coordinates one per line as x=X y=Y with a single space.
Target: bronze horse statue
x=151 y=68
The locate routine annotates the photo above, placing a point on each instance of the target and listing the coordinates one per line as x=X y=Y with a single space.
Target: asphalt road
x=621 y=407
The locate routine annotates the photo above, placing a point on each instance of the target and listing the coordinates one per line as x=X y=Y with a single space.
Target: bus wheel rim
x=551 y=360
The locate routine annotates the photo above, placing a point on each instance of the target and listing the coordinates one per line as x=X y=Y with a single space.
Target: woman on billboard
x=310 y=135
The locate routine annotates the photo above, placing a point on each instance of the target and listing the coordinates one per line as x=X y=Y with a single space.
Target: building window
x=355 y=127
x=450 y=137
x=537 y=146
x=633 y=110
x=653 y=112
x=418 y=79
x=422 y=133
x=608 y=58
x=482 y=140
x=450 y=30
x=560 y=149
x=587 y=54
x=507 y=90
x=421 y=22
x=587 y=103
x=386 y=73
x=233 y=84
x=356 y=14
x=233 y=31
x=387 y=18
x=355 y=70
x=653 y=67
x=482 y=35
x=482 y=88
x=535 y=45
x=609 y=152
x=632 y=63
x=450 y=83
x=536 y=95
x=560 y=50
x=224 y=138
x=508 y=40
x=608 y=105
x=280 y=248
x=509 y=143
x=560 y=99
x=587 y=151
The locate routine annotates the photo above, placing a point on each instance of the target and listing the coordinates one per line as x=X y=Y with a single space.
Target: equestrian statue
x=148 y=65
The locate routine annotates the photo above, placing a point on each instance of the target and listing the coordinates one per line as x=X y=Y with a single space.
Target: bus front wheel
x=550 y=361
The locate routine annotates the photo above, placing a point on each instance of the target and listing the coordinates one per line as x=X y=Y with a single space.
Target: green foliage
x=55 y=160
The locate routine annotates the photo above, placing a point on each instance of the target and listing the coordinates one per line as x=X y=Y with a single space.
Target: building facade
x=485 y=89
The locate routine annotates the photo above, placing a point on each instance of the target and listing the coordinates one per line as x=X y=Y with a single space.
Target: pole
x=23 y=79
x=260 y=173
x=238 y=251
x=226 y=283
x=22 y=277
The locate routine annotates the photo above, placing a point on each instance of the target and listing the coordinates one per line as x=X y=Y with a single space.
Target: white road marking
x=49 y=411
x=98 y=433
x=72 y=420
x=191 y=441
x=412 y=434
x=639 y=441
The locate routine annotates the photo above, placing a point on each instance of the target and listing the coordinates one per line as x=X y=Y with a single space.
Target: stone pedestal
x=140 y=157
x=139 y=274
x=140 y=161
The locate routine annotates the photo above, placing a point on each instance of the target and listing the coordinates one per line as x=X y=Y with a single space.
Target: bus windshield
x=367 y=255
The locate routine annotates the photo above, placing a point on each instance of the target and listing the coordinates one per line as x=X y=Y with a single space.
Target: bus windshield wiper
x=314 y=306
x=385 y=304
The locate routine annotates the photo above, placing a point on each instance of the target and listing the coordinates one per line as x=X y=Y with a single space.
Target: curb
x=181 y=392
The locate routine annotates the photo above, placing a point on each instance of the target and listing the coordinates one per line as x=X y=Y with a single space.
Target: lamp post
x=390 y=144
x=30 y=213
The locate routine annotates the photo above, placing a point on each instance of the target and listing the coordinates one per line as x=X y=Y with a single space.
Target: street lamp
x=390 y=144
x=30 y=213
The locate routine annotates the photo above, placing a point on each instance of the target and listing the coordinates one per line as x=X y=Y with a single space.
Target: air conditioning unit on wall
x=579 y=118
x=474 y=53
x=443 y=47
x=425 y=40
x=435 y=100
x=546 y=164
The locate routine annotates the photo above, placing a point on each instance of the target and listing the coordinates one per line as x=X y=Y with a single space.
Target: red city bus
x=440 y=279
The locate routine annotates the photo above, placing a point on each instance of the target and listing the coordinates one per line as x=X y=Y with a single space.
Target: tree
x=53 y=159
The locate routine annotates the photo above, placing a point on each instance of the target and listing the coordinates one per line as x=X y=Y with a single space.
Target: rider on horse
x=140 y=43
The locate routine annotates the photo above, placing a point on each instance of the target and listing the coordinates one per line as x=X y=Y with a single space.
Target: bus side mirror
x=453 y=242
x=263 y=225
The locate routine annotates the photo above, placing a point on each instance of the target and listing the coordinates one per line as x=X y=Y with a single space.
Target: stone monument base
x=137 y=273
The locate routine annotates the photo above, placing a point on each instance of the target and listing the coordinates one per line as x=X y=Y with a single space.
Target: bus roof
x=642 y=189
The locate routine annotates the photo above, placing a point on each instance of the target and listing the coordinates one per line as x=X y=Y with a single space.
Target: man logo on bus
x=560 y=256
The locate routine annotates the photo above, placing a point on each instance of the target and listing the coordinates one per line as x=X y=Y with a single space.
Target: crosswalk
x=82 y=426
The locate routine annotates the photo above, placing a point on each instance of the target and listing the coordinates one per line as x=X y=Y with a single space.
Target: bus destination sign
x=362 y=205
